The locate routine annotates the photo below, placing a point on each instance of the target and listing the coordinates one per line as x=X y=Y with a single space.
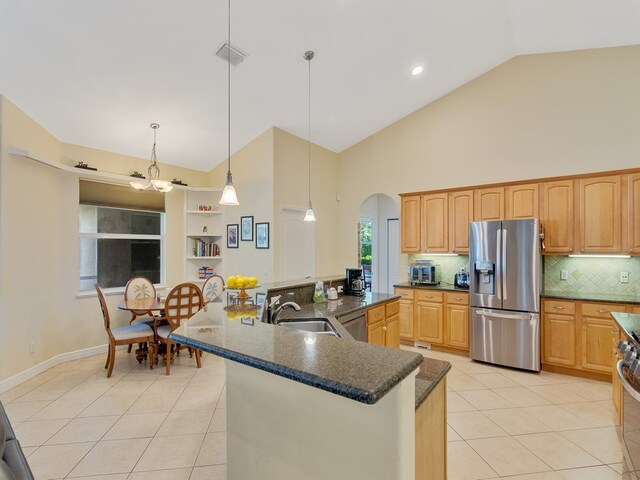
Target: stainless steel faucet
x=274 y=315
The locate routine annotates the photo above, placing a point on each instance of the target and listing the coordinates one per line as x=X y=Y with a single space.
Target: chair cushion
x=164 y=331
x=5 y=472
x=9 y=434
x=146 y=320
x=132 y=331
x=16 y=460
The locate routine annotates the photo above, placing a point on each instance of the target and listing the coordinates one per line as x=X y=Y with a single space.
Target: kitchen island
x=301 y=405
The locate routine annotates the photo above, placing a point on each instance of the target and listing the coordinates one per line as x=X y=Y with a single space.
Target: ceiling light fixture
x=417 y=71
x=229 y=196
x=309 y=215
x=154 y=181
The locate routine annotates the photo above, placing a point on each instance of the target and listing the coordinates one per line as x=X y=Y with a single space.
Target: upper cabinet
x=600 y=215
x=633 y=216
x=460 y=214
x=489 y=204
x=410 y=224
x=434 y=223
x=521 y=201
x=557 y=216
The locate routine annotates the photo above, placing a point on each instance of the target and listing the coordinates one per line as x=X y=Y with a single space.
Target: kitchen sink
x=314 y=325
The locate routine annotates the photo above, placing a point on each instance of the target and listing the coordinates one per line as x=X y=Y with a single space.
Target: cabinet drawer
x=601 y=310
x=557 y=306
x=393 y=308
x=458 y=298
x=428 y=296
x=375 y=314
x=406 y=293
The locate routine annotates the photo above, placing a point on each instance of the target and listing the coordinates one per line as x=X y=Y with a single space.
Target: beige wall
x=291 y=188
x=252 y=169
x=533 y=116
x=39 y=247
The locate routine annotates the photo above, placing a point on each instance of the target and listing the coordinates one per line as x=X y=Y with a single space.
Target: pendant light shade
x=229 y=196
x=154 y=181
x=309 y=215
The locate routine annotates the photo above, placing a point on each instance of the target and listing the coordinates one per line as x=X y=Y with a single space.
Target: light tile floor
x=73 y=422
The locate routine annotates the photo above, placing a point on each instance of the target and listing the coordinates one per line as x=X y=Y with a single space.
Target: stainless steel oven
x=628 y=370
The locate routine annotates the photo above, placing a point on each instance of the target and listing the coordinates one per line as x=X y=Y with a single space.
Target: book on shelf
x=203 y=248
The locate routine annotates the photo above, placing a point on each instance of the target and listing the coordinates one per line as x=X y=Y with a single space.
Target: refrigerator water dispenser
x=485 y=277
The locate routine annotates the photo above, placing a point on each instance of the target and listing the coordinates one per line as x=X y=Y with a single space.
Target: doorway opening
x=379 y=242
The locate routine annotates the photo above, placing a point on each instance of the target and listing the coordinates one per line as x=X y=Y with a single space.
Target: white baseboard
x=29 y=373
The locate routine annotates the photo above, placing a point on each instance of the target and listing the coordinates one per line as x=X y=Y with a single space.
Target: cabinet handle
x=457 y=298
x=571 y=249
x=603 y=311
x=559 y=307
x=384 y=328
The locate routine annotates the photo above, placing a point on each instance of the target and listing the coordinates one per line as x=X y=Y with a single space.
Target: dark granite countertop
x=594 y=297
x=447 y=287
x=628 y=322
x=356 y=370
x=431 y=373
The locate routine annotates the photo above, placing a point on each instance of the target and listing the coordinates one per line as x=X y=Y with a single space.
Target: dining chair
x=182 y=303
x=140 y=287
x=212 y=288
x=128 y=335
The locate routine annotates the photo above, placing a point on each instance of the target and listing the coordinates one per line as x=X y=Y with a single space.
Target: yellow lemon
x=253 y=281
x=231 y=282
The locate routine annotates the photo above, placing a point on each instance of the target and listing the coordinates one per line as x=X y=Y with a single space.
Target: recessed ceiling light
x=417 y=71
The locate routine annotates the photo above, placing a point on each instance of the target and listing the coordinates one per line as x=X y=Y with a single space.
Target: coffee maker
x=356 y=284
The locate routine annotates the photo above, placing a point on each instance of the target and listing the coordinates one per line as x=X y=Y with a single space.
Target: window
x=116 y=244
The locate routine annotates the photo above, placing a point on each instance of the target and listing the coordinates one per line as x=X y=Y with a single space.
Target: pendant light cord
x=229 y=91
x=309 y=134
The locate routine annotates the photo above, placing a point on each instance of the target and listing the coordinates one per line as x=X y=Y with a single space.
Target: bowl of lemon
x=238 y=282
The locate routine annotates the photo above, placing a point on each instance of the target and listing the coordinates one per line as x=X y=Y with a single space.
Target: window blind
x=120 y=196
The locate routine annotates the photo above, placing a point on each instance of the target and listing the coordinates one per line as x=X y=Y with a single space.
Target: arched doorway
x=379 y=242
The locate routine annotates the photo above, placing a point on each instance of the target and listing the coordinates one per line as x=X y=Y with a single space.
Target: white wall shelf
x=194 y=222
x=204 y=258
x=204 y=212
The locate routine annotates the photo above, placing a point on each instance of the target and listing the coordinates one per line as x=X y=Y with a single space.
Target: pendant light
x=154 y=181
x=309 y=215
x=229 y=196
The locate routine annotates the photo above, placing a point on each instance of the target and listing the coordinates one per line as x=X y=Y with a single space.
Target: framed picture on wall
x=232 y=235
x=262 y=235
x=246 y=229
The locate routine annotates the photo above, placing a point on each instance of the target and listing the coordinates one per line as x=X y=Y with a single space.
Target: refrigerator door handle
x=503 y=272
x=498 y=270
x=513 y=316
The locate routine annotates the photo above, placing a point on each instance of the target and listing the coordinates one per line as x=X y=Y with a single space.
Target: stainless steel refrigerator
x=504 y=292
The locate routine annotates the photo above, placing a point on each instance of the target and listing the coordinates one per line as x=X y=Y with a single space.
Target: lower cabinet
x=437 y=317
x=383 y=324
x=616 y=386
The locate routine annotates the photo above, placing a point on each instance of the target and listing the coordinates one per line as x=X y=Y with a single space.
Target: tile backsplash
x=592 y=275
x=449 y=266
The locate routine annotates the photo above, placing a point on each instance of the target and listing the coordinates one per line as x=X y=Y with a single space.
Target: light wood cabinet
x=434 y=225
x=460 y=214
x=431 y=435
x=600 y=215
x=633 y=216
x=383 y=324
x=410 y=224
x=557 y=216
x=456 y=324
x=429 y=321
x=597 y=325
x=488 y=204
x=559 y=339
x=616 y=386
x=406 y=321
x=522 y=201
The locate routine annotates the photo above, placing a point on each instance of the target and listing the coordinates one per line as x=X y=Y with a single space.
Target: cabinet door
x=522 y=201
x=600 y=216
x=488 y=204
x=635 y=309
x=410 y=224
x=616 y=386
x=634 y=213
x=375 y=333
x=460 y=214
x=406 y=328
x=392 y=332
x=429 y=322
x=557 y=216
x=457 y=326
x=559 y=346
x=596 y=344
x=434 y=225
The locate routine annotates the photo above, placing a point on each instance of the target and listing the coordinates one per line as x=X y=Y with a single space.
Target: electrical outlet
x=624 y=277
x=340 y=288
x=32 y=347
x=564 y=274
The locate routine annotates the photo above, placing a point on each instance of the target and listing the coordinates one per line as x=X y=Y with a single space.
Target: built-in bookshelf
x=204 y=225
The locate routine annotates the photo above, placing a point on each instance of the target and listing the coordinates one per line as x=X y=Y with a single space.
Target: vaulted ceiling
x=98 y=72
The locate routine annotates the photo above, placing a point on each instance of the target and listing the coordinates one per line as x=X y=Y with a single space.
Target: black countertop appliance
x=356 y=284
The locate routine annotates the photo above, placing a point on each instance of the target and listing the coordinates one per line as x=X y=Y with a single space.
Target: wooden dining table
x=142 y=304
